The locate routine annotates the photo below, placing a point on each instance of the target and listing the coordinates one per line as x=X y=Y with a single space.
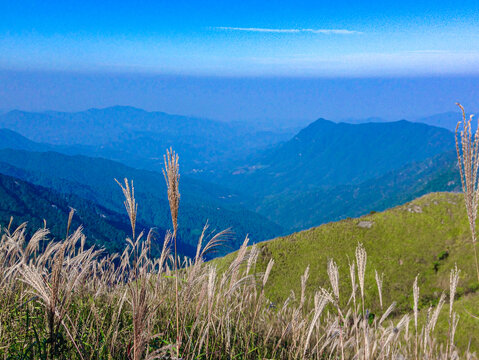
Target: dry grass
x=171 y=172
x=467 y=148
x=68 y=302
x=114 y=307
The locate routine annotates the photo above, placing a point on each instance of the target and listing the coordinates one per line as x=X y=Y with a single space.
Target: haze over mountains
x=326 y=154
x=256 y=182
x=447 y=120
x=138 y=137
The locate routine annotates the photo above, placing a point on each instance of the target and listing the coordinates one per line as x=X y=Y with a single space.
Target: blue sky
x=293 y=61
x=242 y=38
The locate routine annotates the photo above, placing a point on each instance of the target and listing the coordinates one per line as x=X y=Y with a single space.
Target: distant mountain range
x=330 y=154
x=447 y=120
x=362 y=120
x=139 y=138
x=263 y=184
x=13 y=140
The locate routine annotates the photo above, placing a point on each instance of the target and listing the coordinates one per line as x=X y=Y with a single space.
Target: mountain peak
x=117 y=109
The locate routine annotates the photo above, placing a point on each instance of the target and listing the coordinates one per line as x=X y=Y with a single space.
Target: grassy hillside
x=113 y=311
x=466 y=306
x=426 y=236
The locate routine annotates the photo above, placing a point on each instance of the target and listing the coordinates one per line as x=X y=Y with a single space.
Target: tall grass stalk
x=361 y=260
x=171 y=172
x=467 y=148
x=416 y=313
x=138 y=286
x=453 y=281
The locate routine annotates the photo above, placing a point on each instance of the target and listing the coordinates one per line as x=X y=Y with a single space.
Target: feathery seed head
x=268 y=271
x=333 y=274
x=130 y=203
x=172 y=178
x=467 y=149
x=361 y=259
x=453 y=281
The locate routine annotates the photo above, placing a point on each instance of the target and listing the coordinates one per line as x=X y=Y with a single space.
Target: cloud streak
x=291 y=31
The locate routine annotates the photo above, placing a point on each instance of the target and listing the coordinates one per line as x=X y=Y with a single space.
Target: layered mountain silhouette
x=139 y=138
x=326 y=154
x=263 y=184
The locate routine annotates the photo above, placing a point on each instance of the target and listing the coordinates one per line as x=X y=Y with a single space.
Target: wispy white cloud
x=290 y=31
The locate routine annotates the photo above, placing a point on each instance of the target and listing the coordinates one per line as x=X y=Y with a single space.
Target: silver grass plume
x=333 y=274
x=467 y=148
x=172 y=178
x=453 y=281
x=361 y=259
x=130 y=203
x=171 y=172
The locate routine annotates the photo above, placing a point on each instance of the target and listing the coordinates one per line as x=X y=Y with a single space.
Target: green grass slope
x=426 y=236
x=467 y=307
